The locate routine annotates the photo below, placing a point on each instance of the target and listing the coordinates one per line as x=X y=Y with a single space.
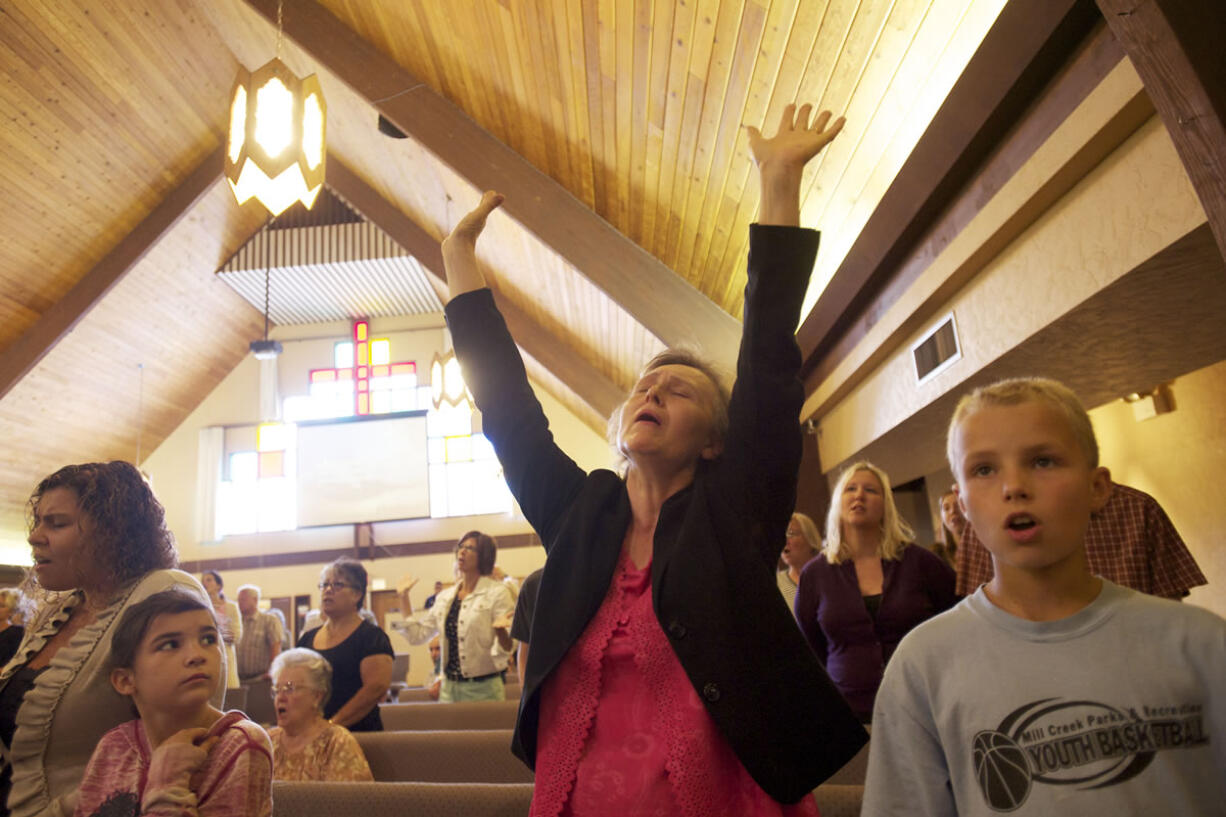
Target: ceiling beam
x=662 y=301
x=25 y=352
x=1085 y=72
x=1176 y=47
x=600 y=393
x=1026 y=46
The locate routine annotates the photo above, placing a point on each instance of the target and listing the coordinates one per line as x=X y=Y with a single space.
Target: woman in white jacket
x=472 y=619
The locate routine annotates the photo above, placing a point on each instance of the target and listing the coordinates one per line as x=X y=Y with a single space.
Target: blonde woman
x=869 y=586
x=800 y=545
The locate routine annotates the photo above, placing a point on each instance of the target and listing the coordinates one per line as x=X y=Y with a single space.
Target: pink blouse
x=622 y=730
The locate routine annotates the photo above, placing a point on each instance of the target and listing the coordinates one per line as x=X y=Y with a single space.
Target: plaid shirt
x=1131 y=542
x=260 y=633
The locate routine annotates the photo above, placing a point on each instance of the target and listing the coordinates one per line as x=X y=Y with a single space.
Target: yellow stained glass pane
x=380 y=351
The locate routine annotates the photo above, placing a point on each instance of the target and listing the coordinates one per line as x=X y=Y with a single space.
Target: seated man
x=435 y=682
x=1131 y=542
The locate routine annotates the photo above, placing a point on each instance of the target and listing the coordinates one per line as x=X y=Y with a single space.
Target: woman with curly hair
x=100 y=544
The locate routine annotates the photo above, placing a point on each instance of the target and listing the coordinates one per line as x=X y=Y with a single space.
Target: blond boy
x=1049 y=691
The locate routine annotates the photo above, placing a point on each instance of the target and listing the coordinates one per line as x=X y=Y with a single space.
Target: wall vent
x=937 y=350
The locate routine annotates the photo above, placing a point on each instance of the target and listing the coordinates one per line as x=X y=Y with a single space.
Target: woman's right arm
x=541 y=477
x=417 y=628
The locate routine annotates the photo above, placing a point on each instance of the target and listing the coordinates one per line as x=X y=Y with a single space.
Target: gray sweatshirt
x=1119 y=709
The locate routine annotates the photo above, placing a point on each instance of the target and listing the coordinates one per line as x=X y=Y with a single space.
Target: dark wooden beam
x=1099 y=55
x=25 y=353
x=1028 y=44
x=662 y=301
x=592 y=387
x=1177 y=48
x=1102 y=144
x=371 y=551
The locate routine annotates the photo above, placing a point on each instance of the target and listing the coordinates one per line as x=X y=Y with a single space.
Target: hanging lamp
x=447 y=381
x=276 y=149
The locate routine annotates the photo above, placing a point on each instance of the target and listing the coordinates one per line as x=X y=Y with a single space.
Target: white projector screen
x=363 y=470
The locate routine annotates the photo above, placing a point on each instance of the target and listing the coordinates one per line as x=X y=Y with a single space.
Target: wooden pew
x=293 y=799
x=433 y=716
x=469 y=756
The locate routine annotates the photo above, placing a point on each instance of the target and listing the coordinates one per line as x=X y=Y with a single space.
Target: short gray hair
x=318 y=670
x=250 y=587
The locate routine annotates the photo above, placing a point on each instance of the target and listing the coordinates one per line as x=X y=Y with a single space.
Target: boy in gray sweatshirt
x=1049 y=691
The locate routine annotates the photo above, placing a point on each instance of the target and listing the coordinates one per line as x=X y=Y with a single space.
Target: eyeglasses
x=288 y=689
x=472 y=548
x=333 y=585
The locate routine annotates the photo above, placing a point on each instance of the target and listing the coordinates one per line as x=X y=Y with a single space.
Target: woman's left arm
x=376 y=672
x=762 y=451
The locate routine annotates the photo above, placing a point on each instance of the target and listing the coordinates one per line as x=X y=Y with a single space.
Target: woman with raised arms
x=665 y=676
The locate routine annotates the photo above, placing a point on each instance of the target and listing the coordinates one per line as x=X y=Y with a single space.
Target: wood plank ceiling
x=633 y=107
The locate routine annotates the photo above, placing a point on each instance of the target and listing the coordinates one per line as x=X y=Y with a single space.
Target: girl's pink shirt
x=236 y=780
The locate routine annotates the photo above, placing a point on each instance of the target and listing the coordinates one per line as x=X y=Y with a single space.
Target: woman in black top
x=359 y=652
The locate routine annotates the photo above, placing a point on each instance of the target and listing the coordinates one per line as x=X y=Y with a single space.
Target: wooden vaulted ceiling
x=615 y=127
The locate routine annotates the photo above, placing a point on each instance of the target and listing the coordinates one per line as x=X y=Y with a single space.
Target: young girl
x=182 y=756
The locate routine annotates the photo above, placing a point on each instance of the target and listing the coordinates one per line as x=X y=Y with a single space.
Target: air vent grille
x=937 y=350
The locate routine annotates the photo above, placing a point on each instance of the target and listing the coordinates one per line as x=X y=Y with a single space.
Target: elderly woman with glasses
x=473 y=620
x=360 y=653
x=305 y=746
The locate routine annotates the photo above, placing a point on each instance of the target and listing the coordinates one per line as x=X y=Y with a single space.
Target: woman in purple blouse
x=869 y=586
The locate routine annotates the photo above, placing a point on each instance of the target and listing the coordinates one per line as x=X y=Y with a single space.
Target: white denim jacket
x=480 y=652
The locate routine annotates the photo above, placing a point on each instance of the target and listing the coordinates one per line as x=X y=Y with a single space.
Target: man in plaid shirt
x=261 y=641
x=1131 y=542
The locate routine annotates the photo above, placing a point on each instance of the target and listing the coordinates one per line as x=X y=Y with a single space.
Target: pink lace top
x=622 y=730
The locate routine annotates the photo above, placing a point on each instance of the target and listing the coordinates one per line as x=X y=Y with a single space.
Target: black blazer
x=716 y=542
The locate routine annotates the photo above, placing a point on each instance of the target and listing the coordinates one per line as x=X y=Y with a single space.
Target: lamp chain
x=279 y=18
x=267 y=270
x=140 y=408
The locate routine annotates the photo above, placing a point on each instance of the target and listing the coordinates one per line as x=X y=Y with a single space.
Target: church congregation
x=822 y=558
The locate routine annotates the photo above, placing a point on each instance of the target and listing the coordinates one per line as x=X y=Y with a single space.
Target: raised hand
x=407 y=582
x=781 y=160
x=460 y=247
x=797 y=140
x=469 y=228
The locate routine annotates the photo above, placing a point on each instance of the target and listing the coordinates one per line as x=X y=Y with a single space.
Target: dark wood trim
x=812 y=491
x=1087 y=69
x=1176 y=47
x=25 y=352
x=371 y=552
x=665 y=303
x=1157 y=322
x=1126 y=122
x=600 y=393
x=1029 y=43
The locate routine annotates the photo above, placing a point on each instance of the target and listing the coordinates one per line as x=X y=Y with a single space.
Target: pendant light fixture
x=276 y=147
x=266 y=349
x=446 y=380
